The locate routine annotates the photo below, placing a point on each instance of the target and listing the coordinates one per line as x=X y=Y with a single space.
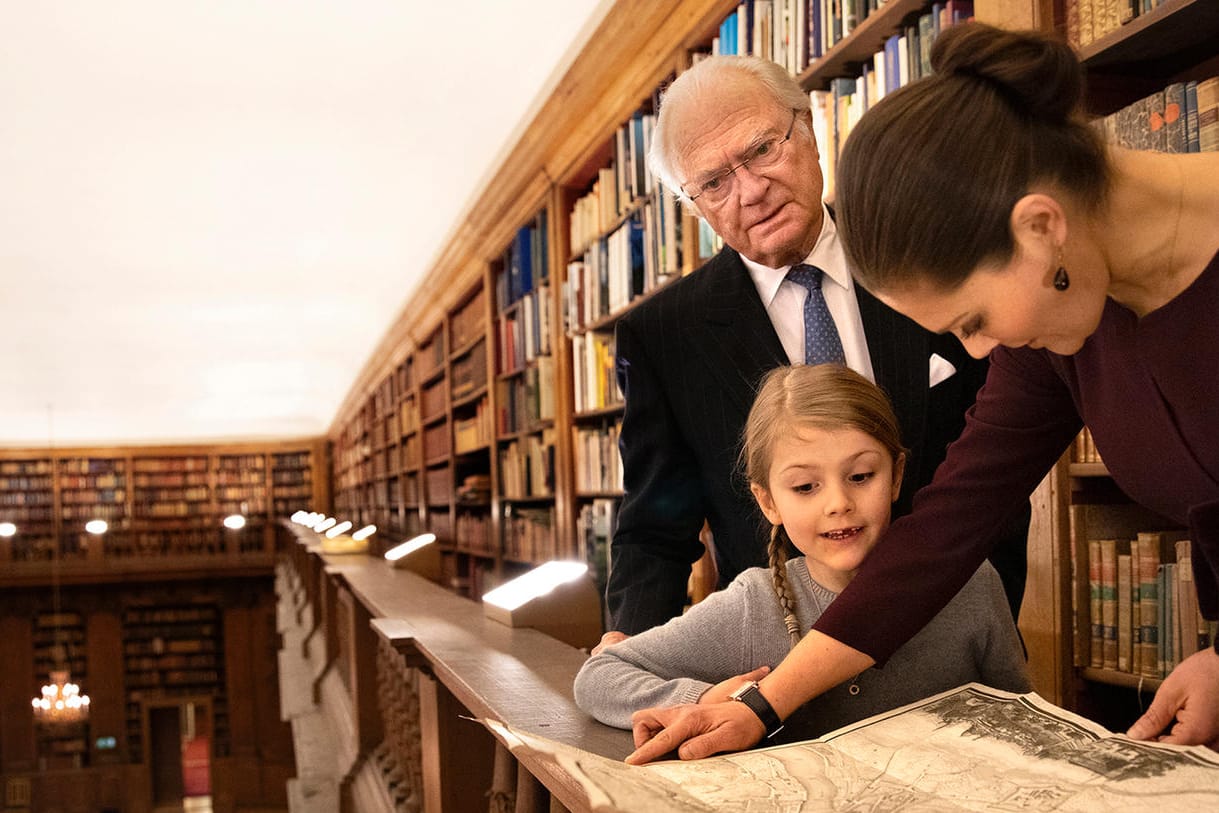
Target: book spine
x=1096 y=658
x=1124 y=640
x=1149 y=565
x=1108 y=599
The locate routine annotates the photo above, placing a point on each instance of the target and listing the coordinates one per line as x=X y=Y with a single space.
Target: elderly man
x=734 y=139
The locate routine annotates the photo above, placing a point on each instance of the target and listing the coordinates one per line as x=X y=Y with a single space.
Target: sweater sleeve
x=1023 y=420
x=1000 y=653
x=674 y=663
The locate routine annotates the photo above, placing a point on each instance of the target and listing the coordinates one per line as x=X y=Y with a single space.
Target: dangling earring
x=1061 y=281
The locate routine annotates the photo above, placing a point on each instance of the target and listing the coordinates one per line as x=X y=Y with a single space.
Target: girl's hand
x=719 y=692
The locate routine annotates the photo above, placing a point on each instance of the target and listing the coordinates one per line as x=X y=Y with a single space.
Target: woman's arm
x=816 y=664
x=675 y=663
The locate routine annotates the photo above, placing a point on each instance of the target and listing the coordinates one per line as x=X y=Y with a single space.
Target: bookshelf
x=27 y=501
x=471 y=545
x=525 y=442
x=157 y=501
x=173 y=651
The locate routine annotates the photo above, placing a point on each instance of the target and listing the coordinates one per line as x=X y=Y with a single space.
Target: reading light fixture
x=339 y=530
x=8 y=529
x=234 y=522
x=419 y=555
x=557 y=598
x=97 y=526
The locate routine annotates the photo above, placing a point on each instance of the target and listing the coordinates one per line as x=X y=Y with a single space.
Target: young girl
x=824 y=461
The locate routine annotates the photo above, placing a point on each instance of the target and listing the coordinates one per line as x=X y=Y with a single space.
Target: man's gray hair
x=701 y=83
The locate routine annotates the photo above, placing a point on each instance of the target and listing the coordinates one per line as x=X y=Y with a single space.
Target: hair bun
x=1039 y=75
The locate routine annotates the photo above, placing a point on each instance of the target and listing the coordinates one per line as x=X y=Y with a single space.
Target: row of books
x=529 y=534
x=170 y=480
x=526 y=262
x=107 y=495
x=526 y=466
x=524 y=333
x=473 y=432
x=433 y=400
x=1183 y=117
x=619 y=185
x=464 y=326
x=641 y=254
x=438 y=486
x=1089 y=20
x=594 y=530
x=469 y=373
x=1143 y=605
x=904 y=57
x=597 y=457
x=92 y=465
x=595 y=380
x=794 y=33
x=474 y=534
x=526 y=401
x=1084 y=448
x=23 y=468
x=436 y=442
x=30 y=497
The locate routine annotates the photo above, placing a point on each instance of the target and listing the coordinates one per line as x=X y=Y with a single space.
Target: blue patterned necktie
x=821 y=342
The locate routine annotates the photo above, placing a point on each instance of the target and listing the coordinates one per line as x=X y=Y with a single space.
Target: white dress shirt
x=784 y=300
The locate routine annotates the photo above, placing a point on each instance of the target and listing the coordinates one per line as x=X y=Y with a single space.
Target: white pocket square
x=941 y=370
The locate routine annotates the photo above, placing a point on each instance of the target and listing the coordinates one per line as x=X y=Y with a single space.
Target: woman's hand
x=695 y=730
x=1185 y=710
x=719 y=692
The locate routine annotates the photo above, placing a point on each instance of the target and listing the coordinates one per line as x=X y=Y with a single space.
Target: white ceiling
x=211 y=210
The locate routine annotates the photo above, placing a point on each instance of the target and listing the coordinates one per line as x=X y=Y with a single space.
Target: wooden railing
x=388 y=667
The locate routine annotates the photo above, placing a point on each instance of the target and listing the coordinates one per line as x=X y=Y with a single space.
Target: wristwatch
x=751 y=695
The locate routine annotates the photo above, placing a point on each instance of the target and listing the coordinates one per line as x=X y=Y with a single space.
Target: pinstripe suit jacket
x=689 y=362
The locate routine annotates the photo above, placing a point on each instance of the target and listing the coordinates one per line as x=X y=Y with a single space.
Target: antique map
x=969 y=749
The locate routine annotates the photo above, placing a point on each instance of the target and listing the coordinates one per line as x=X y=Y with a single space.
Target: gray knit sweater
x=741 y=628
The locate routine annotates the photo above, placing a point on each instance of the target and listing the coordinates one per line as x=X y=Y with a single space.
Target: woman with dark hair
x=977 y=201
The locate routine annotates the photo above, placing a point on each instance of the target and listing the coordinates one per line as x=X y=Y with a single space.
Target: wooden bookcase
x=157 y=501
x=174 y=651
x=27 y=500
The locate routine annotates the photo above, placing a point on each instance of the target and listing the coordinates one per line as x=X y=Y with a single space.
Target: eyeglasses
x=760 y=156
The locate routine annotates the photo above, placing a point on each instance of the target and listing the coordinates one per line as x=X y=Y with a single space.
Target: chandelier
x=61 y=701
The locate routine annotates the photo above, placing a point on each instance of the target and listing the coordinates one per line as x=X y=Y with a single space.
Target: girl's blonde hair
x=824 y=396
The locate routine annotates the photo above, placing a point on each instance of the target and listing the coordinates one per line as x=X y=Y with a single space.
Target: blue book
x=1191 y=117
x=524 y=262
x=893 y=67
x=636 y=241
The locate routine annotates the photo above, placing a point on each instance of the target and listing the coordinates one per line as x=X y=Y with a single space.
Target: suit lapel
x=900 y=353
x=738 y=328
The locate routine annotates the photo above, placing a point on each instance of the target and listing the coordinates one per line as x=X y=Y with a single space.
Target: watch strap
x=751 y=695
